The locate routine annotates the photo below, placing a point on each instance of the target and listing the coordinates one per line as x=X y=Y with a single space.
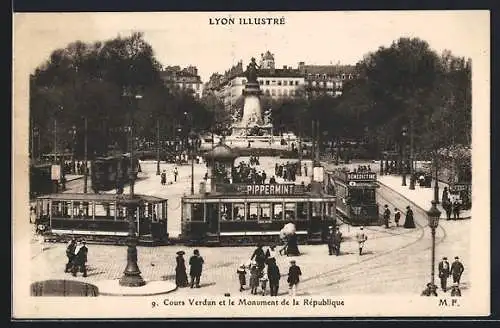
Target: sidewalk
x=421 y=197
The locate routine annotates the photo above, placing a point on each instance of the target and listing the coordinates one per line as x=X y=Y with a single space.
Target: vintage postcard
x=251 y=164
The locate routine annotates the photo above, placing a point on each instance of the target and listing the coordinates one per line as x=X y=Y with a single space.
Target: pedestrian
x=457 y=268
x=305 y=169
x=294 y=274
x=330 y=240
x=387 y=215
x=271 y=254
x=80 y=259
x=242 y=276
x=444 y=272
x=254 y=278
x=455 y=291
x=292 y=247
x=263 y=282
x=274 y=276
x=409 y=222
x=70 y=254
x=448 y=208
x=397 y=216
x=176 y=173
x=337 y=241
x=163 y=177
x=444 y=197
x=181 y=279
x=272 y=180
x=456 y=209
x=196 y=262
x=361 y=238
x=259 y=257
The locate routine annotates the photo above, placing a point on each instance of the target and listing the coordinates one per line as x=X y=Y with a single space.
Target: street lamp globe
x=433 y=215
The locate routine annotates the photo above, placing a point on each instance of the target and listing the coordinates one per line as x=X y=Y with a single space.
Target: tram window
x=226 y=212
x=290 y=211
x=315 y=209
x=104 y=211
x=277 y=211
x=369 y=195
x=239 y=212
x=252 y=212
x=61 y=208
x=197 y=212
x=121 y=212
x=212 y=212
x=265 y=212
x=302 y=211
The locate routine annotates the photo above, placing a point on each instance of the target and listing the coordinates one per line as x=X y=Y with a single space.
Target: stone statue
x=252 y=71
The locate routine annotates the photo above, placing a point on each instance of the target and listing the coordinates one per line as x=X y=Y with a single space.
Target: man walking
x=361 y=237
x=80 y=259
x=457 y=268
x=397 y=216
x=294 y=274
x=176 y=173
x=274 y=275
x=330 y=240
x=444 y=272
x=337 y=240
x=387 y=215
x=196 y=263
x=70 y=254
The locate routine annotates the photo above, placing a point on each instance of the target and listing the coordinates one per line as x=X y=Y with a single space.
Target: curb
x=414 y=204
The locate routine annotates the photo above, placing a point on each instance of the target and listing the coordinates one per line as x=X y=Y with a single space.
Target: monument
x=252 y=123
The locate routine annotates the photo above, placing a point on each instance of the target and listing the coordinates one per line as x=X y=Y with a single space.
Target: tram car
x=241 y=214
x=40 y=180
x=101 y=218
x=111 y=172
x=355 y=193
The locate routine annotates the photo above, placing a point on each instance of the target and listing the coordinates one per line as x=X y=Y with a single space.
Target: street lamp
x=436 y=181
x=192 y=137
x=85 y=160
x=72 y=132
x=404 y=132
x=157 y=146
x=132 y=275
x=412 y=170
x=433 y=215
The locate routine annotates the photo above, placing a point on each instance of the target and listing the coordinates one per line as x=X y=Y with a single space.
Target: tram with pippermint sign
x=101 y=218
x=355 y=192
x=247 y=214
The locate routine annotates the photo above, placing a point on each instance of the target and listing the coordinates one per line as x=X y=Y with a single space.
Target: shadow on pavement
x=63 y=288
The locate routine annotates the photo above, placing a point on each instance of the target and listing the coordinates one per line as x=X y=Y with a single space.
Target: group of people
x=362 y=169
x=455 y=270
x=245 y=173
x=288 y=171
x=254 y=160
x=451 y=205
x=196 y=262
x=163 y=176
x=76 y=252
x=409 y=220
x=259 y=276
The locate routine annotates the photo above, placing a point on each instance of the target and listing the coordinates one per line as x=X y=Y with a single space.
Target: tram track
x=348 y=273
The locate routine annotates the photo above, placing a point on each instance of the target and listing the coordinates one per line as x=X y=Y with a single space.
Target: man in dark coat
x=448 y=208
x=456 y=210
x=294 y=274
x=196 y=263
x=259 y=256
x=387 y=215
x=80 y=259
x=181 y=279
x=274 y=275
x=337 y=240
x=70 y=254
x=330 y=240
x=457 y=268
x=409 y=222
x=444 y=272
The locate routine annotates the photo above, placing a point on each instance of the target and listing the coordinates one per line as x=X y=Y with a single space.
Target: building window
x=273 y=92
x=279 y=92
x=324 y=84
x=243 y=81
x=350 y=76
x=267 y=82
x=273 y=82
x=285 y=92
x=279 y=83
x=285 y=83
x=297 y=82
x=261 y=82
x=343 y=76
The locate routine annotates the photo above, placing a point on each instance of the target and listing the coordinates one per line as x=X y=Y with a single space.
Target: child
x=242 y=277
x=263 y=283
x=397 y=216
x=254 y=278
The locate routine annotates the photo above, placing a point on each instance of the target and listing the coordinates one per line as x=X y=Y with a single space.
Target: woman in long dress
x=409 y=221
x=181 y=279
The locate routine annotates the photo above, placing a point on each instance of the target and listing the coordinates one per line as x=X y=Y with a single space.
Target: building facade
x=185 y=79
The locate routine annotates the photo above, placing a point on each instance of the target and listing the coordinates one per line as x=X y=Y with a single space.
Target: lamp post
x=132 y=275
x=412 y=171
x=433 y=215
x=436 y=181
x=157 y=147
x=192 y=137
x=403 y=155
x=72 y=132
x=85 y=159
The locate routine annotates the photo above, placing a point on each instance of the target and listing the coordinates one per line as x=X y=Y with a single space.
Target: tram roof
x=102 y=197
x=218 y=195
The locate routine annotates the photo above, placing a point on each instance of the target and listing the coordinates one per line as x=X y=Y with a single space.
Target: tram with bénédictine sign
x=101 y=218
x=243 y=214
x=356 y=201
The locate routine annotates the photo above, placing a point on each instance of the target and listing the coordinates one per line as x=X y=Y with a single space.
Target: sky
x=313 y=37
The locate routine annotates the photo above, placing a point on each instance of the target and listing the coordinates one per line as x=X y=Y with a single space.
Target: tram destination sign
x=361 y=176
x=262 y=189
